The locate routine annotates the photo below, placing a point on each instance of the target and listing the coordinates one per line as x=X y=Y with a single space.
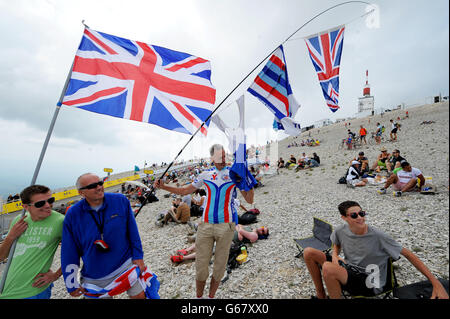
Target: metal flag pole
x=36 y=172
x=234 y=89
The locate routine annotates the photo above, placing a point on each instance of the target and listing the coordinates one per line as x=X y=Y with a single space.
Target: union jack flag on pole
x=325 y=50
x=136 y=81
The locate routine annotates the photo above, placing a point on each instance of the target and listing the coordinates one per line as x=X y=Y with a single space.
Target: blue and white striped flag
x=271 y=86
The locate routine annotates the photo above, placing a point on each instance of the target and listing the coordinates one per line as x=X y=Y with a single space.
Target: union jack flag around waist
x=325 y=50
x=124 y=282
x=136 y=81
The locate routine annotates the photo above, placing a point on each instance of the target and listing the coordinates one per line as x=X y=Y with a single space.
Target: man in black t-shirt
x=395 y=161
x=364 y=162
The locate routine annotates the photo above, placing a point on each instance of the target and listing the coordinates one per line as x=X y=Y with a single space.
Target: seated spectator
x=292 y=160
x=305 y=158
x=257 y=175
x=180 y=212
x=380 y=162
x=363 y=161
x=314 y=161
x=363 y=246
x=197 y=202
x=404 y=180
x=280 y=163
x=354 y=176
x=300 y=165
x=394 y=163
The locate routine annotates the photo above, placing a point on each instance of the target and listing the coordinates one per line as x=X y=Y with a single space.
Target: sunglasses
x=355 y=215
x=93 y=185
x=41 y=203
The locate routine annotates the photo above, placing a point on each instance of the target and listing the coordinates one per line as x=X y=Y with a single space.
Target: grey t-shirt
x=372 y=248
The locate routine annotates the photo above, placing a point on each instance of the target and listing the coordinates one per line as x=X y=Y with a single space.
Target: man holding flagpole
x=218 y=221
x=38 y=234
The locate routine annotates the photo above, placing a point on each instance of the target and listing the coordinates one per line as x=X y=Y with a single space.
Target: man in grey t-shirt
x=366 y=250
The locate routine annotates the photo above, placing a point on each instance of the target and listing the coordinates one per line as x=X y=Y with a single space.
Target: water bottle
x=242 y=258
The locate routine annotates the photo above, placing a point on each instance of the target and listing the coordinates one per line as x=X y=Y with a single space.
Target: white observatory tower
x=366 y=105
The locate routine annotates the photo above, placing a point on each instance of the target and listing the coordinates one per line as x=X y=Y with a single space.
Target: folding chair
x=389 y=288
x=319 y=240
x=418 y=290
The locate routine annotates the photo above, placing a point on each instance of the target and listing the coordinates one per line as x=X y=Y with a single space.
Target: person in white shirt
x=354 y=176
x=394 y=128
x=404 y=180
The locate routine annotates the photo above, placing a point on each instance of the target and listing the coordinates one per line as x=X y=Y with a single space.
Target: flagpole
x=36 y=172
x=234 y=89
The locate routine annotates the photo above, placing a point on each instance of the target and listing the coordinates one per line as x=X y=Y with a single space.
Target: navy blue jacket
x=80 y=231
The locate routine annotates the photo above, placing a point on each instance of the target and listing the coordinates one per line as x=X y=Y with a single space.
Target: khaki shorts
x=207 y=235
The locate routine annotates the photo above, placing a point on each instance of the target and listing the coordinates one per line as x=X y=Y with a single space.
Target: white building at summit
x=366 y=103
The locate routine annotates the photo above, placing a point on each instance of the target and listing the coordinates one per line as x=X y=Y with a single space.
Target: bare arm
x=438 y=289
x=248 y=195
x=13 y=234
x=185 y=190
x=335 y=254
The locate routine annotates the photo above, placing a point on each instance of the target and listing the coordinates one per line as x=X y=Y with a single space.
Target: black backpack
x=196 y=211
x=247 y=218
x=235 y=250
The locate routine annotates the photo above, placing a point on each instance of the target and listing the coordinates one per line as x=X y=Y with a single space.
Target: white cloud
x=407 y=59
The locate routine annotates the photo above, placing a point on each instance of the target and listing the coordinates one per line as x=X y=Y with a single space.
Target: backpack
x=343 y=179
x=247 y=218
x=196 y=210
x=235 y=250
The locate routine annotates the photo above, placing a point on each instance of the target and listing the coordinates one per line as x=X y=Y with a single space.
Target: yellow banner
x=15 y=206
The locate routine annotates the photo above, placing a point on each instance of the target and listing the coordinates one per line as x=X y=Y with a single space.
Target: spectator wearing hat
x=354 y=175
x=381 y=160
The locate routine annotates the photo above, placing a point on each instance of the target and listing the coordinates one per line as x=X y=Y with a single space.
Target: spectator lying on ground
x=242 y=234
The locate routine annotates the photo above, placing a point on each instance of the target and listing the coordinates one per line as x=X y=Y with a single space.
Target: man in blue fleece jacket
x=102 y=231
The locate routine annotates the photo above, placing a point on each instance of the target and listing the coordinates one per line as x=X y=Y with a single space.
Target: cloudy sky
x=404 y=46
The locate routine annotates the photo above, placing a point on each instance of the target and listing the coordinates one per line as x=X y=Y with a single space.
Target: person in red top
x=362 y=134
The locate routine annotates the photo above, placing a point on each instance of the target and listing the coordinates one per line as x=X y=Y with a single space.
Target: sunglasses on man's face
x=93 y=185
x=355 y=215
x=41 y=203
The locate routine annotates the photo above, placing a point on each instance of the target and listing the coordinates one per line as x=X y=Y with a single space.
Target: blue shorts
x=46 y=294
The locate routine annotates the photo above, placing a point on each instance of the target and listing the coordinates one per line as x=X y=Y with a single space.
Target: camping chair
x=388 y=289
x=418 y=290
x=319 y=240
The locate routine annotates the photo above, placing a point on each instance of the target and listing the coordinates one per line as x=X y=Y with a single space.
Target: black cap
x=361 y=153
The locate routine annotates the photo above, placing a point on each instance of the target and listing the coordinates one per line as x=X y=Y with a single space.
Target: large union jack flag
x=136 y=81
x=325 y=50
